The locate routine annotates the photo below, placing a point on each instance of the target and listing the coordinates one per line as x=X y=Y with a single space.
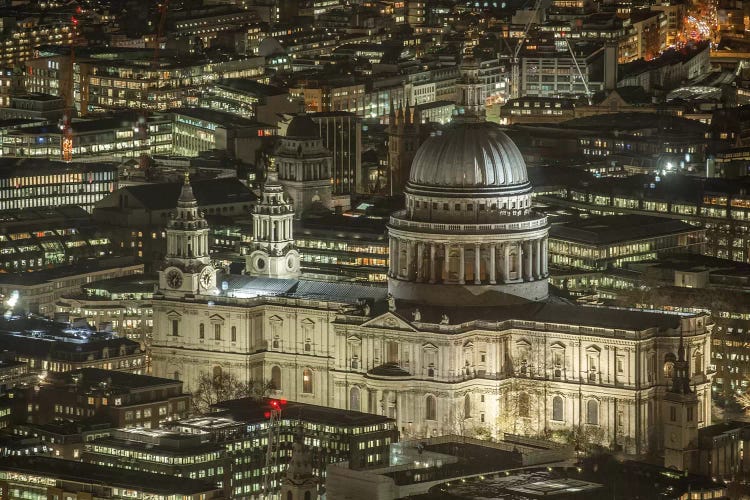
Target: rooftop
x=221 y=118
x=27 y=167
x=254 y=410
x=209 y=192
x=112 y=379
x=69 y=470
x=612 y=229
x=250 y=87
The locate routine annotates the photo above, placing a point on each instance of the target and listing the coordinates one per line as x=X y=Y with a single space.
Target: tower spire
x=681 y=374
x=471 y=93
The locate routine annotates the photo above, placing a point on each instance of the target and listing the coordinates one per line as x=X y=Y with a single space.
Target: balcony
x=515 y=223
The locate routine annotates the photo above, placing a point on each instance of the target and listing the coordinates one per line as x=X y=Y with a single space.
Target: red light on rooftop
x=283 y=402
x=267 y=414
x=74 y=21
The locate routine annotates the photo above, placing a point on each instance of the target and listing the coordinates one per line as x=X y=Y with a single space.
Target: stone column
x=477 y=264
x=433 y=257
x=392 y=257
x=493 y=270
x=409 y=259
x=527 y=258
x=446 y=262
x=462 y=265
x=537 y=259
x=519 y=261
x=506 y=263
x=420 y=263
x=545 y=257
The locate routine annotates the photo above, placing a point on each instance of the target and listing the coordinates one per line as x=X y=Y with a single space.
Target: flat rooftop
x=69 y=470
x=613 y=229
x=254 y=410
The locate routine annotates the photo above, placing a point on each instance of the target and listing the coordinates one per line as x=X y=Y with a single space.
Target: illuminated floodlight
x=13 y=299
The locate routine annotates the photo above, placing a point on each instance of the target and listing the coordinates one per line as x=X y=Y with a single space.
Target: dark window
x=524 y=405
x=276 y=378
x=557 y=408
x=430 y=408
x=592 y=412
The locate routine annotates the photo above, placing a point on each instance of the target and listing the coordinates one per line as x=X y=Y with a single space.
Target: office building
x=610 y=241
x=54 y=477
x=39 y=183
x=49 y=347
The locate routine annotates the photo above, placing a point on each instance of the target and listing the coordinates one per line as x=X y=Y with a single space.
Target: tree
x=224 y=386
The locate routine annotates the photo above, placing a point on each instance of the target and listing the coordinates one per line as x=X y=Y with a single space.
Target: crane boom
x=580 y=73
x=515 y=85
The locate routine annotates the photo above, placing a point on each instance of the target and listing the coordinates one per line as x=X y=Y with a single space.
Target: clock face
x=174 y=279
x=207 y=278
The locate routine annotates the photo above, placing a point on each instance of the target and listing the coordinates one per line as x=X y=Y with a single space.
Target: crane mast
x=515 y=77
x=66 y=127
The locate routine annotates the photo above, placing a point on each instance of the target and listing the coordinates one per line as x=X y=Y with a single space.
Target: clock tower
x=187 y=266
x=680 y=417
x=273 y=253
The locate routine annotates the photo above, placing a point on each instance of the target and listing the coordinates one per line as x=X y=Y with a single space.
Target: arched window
x=177 y=375
x=217 y=371
x=430 y=408
x=697 y=363
x=289 y=495
x=354 y=399
x=276 y=378
x=307 y=495
x=202 y=331
x=234 y=334
x=592 y=412
x=557 y=408
x=524 y=405
x=307 y=381
x=467 y=406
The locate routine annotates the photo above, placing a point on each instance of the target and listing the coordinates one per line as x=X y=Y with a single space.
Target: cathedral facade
x=466 y=339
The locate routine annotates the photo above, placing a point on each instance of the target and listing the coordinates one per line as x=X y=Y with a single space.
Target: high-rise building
x=341 y=132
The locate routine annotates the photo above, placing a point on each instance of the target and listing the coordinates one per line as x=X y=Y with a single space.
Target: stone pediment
x=389 y=321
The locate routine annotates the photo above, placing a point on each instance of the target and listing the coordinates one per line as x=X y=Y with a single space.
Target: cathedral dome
x=469 y=156
x=303 y=127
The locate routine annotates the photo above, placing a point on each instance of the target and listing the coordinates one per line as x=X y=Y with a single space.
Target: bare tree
x=224 y=386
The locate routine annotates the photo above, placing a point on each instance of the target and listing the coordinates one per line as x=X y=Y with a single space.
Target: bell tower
x=299 y=483
x=403 y=142
x=187 y=266
x=273 y=253
x=680 y=416
x=470 y=92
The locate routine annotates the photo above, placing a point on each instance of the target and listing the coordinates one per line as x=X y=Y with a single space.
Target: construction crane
x=515 y=78
x=580 y=73
x=66 y=127
x=274 y=444
x=141 y=128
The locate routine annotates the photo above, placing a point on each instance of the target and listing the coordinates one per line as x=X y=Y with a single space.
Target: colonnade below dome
x=470 y=262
